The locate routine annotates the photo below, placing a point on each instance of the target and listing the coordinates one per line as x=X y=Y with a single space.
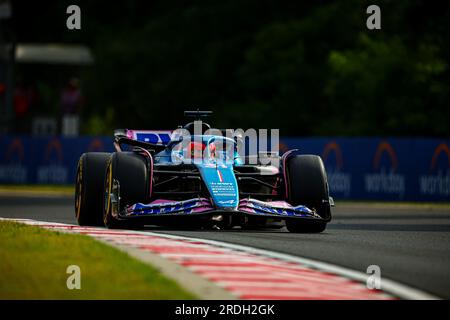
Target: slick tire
x=130 y=170
x=90 y=178
x=308 y=186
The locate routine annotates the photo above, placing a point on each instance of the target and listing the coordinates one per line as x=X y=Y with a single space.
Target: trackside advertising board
x=382 y=168
x=395 y=169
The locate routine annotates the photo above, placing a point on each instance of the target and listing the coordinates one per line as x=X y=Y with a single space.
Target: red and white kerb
x=244 y=274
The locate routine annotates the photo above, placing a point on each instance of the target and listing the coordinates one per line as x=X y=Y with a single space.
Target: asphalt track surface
x=411 y=244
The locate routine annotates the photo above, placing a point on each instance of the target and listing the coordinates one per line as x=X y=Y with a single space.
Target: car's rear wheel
x=89 y=188
x=131 y=172
x=308 y=186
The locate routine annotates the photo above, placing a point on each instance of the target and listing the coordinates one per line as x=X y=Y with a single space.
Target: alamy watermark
x=374 y=280
x=73 y=21
x=214 y=146
x=73 y=281
x=374 y=20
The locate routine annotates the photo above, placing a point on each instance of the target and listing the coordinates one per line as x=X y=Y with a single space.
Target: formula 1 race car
x=192 y=178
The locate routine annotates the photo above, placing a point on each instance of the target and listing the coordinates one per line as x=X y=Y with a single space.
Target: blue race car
x=193 y=180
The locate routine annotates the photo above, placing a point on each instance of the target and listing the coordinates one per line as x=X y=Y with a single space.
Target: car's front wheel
x=131 y=172
x=89 y=188
x=308 y=186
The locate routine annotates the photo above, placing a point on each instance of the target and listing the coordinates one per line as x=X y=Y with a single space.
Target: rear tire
x=131 y=171
x=89 y=188
x=308 y=186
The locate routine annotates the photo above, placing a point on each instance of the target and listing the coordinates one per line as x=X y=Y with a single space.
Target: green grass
x=35 y=189
x=33 y=264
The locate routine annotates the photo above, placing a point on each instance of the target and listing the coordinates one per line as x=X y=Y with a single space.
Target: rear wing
x=197 y=114
x=148 y=139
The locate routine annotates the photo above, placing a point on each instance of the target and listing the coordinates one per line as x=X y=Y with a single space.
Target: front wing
x=196 y=206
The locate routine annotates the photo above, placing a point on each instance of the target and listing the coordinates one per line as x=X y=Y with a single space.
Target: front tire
x=89 y=188
x=308 y=186
x=130 y=170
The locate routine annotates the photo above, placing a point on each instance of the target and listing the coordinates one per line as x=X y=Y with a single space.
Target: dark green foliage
x=308 y=68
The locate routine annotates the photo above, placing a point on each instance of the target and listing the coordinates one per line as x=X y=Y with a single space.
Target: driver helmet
x=212 y=150
x=195 y=150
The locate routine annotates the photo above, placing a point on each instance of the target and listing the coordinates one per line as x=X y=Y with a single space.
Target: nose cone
x=222 y=185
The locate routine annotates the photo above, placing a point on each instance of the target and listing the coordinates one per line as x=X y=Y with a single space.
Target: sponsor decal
x=226 y=201
x=437 y=182
x=96 y=145
x=223 y=189
x=386 y=180
x=13 y=171
x=155 y=137
x=338 y=180
x=157 y=207
x=280 y=208
x=52 y=171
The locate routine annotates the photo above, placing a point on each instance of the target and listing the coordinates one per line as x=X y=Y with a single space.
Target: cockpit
x=204 y=149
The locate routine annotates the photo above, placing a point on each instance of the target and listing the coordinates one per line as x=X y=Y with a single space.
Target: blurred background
x=375 y=102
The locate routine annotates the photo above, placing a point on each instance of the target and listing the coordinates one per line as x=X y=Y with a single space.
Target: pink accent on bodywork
x=246 y=209
x=284 y=158
x=202 y=209
x=202 y=205
x=147 y=153
x=205 y=206
x=203 y=201
x=275 y=186
x=275 y=204
x=279 y=204
x=273 y=169
x=130 y=134
x=166 y=201
x=162 y=201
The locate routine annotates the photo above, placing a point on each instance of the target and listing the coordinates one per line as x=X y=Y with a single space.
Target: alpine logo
x=226 y=201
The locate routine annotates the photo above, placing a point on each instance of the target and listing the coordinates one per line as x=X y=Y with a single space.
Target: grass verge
x=33 y=264
x=37 y=190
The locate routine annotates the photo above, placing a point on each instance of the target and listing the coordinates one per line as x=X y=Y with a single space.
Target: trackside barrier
x=358 y=168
